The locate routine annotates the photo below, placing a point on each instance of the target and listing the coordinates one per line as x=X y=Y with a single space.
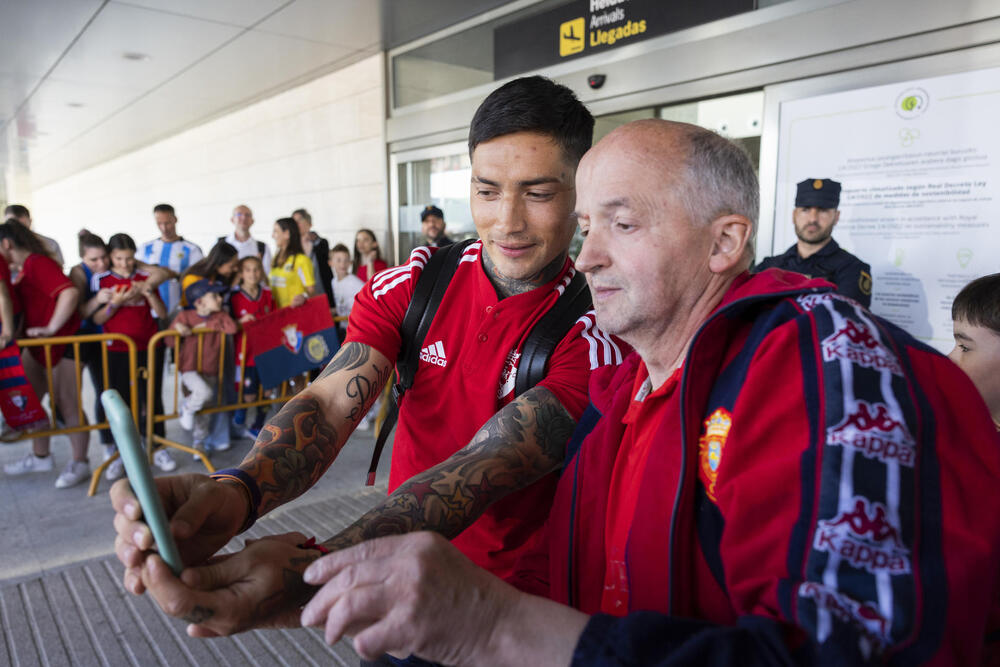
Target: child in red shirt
x=200 y=379
x=131 y=311
x=251 y=299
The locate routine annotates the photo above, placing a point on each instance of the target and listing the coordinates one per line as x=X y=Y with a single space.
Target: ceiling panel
x=36 y=33
x=242 y=13
x=348 y=23
x=172 y=42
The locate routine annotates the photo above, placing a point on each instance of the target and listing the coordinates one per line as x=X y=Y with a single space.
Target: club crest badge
x=711 y=446
x=292 y=338
x=316 y=348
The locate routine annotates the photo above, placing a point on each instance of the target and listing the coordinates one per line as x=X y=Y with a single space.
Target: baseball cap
x=431 y=209
x=200 y=288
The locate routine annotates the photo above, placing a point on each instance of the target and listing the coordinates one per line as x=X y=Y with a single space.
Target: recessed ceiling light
x=134 y=55
x=75 y=105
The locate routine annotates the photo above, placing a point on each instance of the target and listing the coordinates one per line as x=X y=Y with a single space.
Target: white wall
x=320 y=146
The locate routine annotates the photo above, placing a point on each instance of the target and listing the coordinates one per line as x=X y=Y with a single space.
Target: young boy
x=976 y=316
x=201 y=380
x=345 y=284
x=250 y=300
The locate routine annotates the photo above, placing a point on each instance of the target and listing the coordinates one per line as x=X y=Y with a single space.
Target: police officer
x=816 y=254
x=432 y=224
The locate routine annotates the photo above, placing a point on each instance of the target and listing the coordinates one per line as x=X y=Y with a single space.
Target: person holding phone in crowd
x=131 y=310
x=49 y=300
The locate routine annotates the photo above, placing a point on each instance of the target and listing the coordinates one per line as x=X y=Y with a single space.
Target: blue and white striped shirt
x=176 y=256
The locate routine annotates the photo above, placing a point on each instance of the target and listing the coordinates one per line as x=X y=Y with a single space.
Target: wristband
x=312 y=544
x=249 y=484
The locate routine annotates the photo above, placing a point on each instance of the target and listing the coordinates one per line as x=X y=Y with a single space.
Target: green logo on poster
x=964 y=257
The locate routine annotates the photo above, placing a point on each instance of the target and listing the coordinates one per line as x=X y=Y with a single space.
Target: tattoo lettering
x=520 y=444
x=510 y=286
x=198 y=615
x=364 y=392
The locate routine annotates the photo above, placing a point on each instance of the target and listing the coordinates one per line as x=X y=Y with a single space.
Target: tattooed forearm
x=349 y=357
x=296 y=447
x=506 y=286
x=292 y=452
x=523 y=442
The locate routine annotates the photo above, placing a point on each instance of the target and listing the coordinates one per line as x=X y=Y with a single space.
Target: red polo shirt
x=466 y=373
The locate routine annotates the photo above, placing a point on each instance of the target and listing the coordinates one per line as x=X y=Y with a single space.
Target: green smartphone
x=140 y=477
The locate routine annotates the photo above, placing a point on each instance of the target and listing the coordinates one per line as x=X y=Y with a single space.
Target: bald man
x=698 y=520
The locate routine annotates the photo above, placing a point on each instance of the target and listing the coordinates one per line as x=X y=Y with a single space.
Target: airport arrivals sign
x=583 y=27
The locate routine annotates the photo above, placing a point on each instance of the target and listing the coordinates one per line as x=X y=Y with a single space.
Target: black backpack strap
x=261 y=249
x=427 y=295
x=572 y=304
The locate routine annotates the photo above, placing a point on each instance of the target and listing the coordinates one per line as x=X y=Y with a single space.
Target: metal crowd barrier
x=283 y=395
x=76 y=342
x=135 y=373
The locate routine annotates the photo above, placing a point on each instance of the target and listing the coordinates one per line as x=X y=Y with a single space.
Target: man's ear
x=730 y=236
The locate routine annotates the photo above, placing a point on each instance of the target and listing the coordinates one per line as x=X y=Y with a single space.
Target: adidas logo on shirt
x=434 y=354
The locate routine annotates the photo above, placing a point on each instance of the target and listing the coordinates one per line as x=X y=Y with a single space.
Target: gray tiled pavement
x=61 y=598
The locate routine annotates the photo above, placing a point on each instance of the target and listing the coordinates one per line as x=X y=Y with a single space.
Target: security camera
x=595 y=81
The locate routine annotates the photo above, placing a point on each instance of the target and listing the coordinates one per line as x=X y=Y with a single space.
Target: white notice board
x=920 y=166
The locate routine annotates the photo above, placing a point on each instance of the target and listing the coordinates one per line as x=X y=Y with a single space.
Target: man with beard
x=816 y=254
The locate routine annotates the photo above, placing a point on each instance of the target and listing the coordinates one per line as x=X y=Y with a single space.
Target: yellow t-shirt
x=292 y=278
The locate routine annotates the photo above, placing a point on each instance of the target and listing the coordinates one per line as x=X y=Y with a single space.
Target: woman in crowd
x=367 y=255
x=49 y=300
x=130 y=310
x=219 y=265
x=292 y=280
x=93 y=261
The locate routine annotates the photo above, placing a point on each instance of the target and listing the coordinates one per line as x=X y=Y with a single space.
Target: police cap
x=818 y=192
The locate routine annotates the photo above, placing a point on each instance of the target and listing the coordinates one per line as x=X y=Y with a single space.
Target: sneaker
x=186 y=418
x=219 y=448
x=164 y=461
x=115 y=471
x=30 y=463
x=253 y=432
x=75 y=472
x=200 y=446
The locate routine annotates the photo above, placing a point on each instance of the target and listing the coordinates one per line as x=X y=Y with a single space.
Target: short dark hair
x=534 y=104
x=979 y=303
x=121 y=242
x=90 y=240
x=164 y=208
x=304 y=213
x=340 y=247
x=16 y=211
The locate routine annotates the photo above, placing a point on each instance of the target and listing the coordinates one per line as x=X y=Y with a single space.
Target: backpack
x=553 y=326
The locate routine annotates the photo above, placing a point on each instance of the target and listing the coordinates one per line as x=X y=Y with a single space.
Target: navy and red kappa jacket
x=837 y=502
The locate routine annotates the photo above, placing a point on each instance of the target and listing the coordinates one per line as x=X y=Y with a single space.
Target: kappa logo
x=873 y=431
x=855 y=342
x=434 y=354
x=865 y=538
x=848 y=610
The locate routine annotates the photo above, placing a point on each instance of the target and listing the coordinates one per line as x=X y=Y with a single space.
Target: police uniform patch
x=316 y=348
x=818 y=184
x=865 y=283
x=711 y=446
